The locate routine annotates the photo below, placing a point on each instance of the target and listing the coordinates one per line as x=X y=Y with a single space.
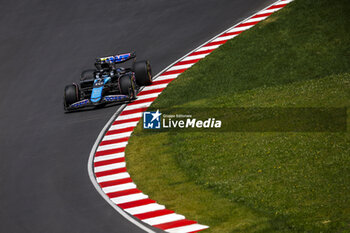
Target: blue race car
x=108 y=83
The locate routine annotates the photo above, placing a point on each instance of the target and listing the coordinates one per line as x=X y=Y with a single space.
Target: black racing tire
x=125 y=85
x=71 y=94
x=87 y=75
x=143 y=73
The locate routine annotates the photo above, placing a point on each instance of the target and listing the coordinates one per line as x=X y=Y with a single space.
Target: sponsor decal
x=151 y=120
x=255 y=119
x=191 y=123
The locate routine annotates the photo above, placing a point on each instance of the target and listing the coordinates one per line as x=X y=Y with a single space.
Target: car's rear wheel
x=71 y=94
x=126 y=86
x=143 y=73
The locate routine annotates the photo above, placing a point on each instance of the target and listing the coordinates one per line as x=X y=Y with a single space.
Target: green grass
x=259 y=181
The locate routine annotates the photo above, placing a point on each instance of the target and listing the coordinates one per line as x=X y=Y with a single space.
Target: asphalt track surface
x=44 y=45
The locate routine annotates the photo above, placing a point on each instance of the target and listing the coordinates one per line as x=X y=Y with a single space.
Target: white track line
x=110 y=167
x=189 y=228
x=270 y=11
x=163 y=219
x=124 y=125
x=152 y=87
x=221 y=38
x=180 y=67
x=120 y=187
x=154 y=95
x=144 y=208
x=195 y=57
x=112 y=146
x=113 y=177
x=238 y=29
x=166 y=77
x=130 y=116
x=108 y=157
x=116 y=136
x=256 y=19
x=129 y=198
x=136 y=106
x=208 y=47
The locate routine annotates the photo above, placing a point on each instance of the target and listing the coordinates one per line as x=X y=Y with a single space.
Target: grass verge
x=259 y=181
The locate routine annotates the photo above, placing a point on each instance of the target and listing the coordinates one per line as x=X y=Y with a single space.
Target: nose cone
x=96 y=94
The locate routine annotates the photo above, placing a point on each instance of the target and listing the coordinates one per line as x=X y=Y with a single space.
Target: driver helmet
x=101 y=65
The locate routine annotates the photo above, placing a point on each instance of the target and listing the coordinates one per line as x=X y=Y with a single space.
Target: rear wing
x=119 y=58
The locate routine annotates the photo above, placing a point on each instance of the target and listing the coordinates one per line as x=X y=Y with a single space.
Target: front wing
x=105 y=100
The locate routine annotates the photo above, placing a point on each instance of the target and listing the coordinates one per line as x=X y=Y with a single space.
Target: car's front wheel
x=71 y=94
x=126 y=85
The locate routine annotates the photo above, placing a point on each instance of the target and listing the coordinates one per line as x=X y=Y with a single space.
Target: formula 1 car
x=108 y=83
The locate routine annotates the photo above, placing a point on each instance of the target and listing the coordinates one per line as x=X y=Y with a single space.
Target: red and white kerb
x=109 y=161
